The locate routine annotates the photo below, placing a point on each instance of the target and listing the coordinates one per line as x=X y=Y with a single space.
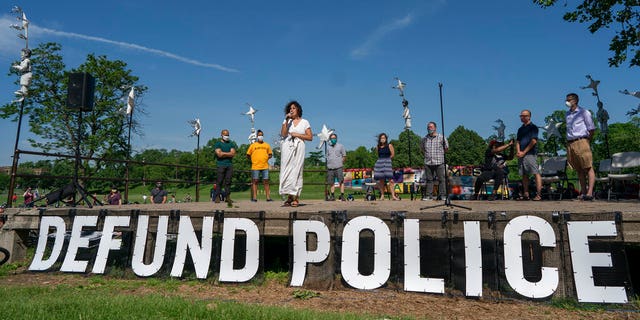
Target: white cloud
x=377 y=35
x=10 y=44
x=134 y=46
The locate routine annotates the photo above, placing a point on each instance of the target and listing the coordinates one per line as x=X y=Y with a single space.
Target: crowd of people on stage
x=296 y=131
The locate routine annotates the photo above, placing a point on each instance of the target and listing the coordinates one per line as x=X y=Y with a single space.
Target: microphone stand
x=447 y=198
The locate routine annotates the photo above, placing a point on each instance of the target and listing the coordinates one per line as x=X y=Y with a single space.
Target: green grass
x=103 y=301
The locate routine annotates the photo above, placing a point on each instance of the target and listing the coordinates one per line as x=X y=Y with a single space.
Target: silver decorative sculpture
x=24 y=67
x=196 y=127
x=252 y=114
x=406 y=114
x=500 y=129
x=593 y=84
x=551 y=128
x=324 y=135
x=603 y=117
x=636 y=94
x=253 y=135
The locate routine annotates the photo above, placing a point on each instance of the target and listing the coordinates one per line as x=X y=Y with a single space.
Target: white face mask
x=568 y=104
x=260 y=138
x=225 y=138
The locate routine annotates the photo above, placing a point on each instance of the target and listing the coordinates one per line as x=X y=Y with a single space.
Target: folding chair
x=604 y=168
x=620 y=161
x=554 y=170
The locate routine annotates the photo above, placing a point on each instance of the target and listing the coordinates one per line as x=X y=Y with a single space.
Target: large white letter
x=252 y=261
x=300 y=254
x=137 y=261
x=107 y=242
x=45 y=223
x=473 y=259
x=187 y=240
x=513 y=257
x=382 y=254
x=412 y=279
x=77 y=241
x=583 y=260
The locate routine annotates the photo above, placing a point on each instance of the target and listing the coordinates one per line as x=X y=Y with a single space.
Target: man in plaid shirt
x=433 y=146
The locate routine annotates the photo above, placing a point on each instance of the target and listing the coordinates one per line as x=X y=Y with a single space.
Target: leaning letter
x=38 y=263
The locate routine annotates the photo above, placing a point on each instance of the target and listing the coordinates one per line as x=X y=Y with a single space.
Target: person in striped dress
x=383 y=169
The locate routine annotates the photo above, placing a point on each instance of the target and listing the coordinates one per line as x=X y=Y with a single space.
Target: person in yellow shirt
x=259 y=154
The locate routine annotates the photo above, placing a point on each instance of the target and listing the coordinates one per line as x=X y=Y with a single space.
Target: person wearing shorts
x=580 y=129
x=336 y=155
x=526 y=141
x=259 y=154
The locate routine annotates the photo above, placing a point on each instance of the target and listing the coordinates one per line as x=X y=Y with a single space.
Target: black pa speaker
x=80 y=91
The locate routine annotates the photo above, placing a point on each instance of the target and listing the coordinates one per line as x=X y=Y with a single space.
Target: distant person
x=494 y=167
x=225 y=150
x=336 y=155
x=383 y=169
x=114 y=197
x=526 y=151
x=580 y=129
x=158 y=195
x=28 y=197
x=295 y=131
x=259 y=154
x=433 y=146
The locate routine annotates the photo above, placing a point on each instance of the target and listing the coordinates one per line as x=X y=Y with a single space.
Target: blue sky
x=207 y=59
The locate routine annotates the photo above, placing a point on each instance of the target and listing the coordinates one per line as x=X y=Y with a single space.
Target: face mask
x=431 y=131
x=333 y=141
x=260 y=138
x=225 y=138
x=568 y=104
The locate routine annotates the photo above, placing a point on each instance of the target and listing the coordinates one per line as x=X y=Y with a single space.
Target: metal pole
x=126 y=180
x=77 y=162
x=16 y=156
x=198 y=170
x=446 y=173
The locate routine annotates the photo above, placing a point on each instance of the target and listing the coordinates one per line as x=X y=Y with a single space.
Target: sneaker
x=341 y=198
x=254 y=200
x=269 y=200
x=427 y=199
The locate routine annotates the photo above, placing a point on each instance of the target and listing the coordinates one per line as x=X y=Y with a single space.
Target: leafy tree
x=622 y=137
x=466 y=147
x=4 y=181
x=621 y=15
x=103 y=128
x=407 y=139
x=360 y=158
x=315 y=159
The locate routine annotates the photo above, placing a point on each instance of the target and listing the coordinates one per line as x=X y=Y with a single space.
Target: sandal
x=288 y=202
x=295 y=203
x=523 y=198
x=536 y=198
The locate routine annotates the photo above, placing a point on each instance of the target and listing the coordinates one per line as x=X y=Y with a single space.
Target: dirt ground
x=383 y=302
